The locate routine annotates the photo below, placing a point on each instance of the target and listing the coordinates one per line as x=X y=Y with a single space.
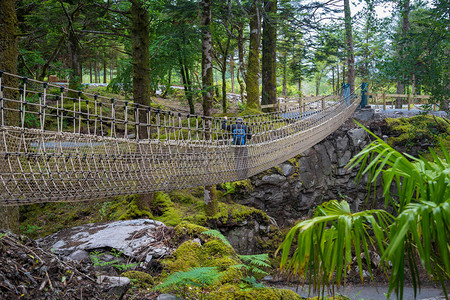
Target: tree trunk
x=207 y=86
x=241 y=70
x=9 y=216
x=232 y=72
x=317 y=86
x=269 y=57
x=207 y=69
x=404 y=7
x=253 y=69
x=187 y=86
x=343 y=72
x=350 y=53
x=140 y=42
x=338 y=87
x=224 y=87
x=74 y=62
x=140 y=53
x=332 y=79
x=90 y=71
x=104 y=70
x=95 y=70
x=285 y=74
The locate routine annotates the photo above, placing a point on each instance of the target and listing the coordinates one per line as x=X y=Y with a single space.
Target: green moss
x=132 y=210
x=40 y=220
x=241 y=186
x=190 y=254
x=235 y=214
x=231 y=276
x=250 y=112
x=182 y=197
x=165 y=210
x=233 y=292
x=140 y=280
x=418 y=129
x=186 y=229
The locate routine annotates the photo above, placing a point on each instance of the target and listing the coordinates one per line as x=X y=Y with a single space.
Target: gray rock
x=114 y=285
x=274 y=179
x=287 y=169
x=364 y=114
x=78 y=256
x=331 y=150
x=324 y=159
x=342 y=143
x=307 y=179
x=258 y=194
x=345 y=158
x=357 y=136
x=168 y=297
x=134 y=238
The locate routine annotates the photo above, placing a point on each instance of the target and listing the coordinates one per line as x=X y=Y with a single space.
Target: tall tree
x=9 y=216
x=349 y=39
x=269 y=55
x=404 y=6
x=73 y=43
x=253 y=67
x=140 y=40
x=207 y=91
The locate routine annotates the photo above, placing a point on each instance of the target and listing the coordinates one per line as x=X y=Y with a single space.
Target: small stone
x=114 y=285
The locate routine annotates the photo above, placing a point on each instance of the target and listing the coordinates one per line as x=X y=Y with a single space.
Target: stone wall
x=293 y=189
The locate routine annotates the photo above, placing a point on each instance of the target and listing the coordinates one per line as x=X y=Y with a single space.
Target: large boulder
x=134 y=238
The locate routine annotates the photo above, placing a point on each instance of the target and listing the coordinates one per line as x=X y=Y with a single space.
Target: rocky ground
x=29 y=272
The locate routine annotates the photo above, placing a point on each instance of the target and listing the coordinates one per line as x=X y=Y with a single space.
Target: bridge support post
x=364 y=86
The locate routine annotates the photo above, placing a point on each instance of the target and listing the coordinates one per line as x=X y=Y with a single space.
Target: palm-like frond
x=421 y=198
x=423 y=206
x=325 y=242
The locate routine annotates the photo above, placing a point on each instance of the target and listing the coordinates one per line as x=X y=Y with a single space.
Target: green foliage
x=422 y=202
x=325 y=242
x=97 y=261
x=200 y=277
x=104 y=210
x=421 y=198
x=217 y=234
x=30 y=230
x=124 y=79
x=254 y=264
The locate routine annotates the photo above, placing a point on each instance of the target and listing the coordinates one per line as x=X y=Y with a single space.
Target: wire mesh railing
x=66 y=145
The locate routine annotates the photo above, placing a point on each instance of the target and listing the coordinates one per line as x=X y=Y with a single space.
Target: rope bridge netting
x=64 y=145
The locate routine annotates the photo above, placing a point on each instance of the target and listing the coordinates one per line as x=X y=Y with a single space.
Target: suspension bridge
x=58 y=144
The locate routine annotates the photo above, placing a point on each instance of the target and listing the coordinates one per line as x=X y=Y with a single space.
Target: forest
x=258 y=48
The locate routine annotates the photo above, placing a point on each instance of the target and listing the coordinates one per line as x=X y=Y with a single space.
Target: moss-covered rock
x=234 y=292
x=191 y=254
x=418 y=131
x=132 y=210
x=185 y=231
x=139 y=279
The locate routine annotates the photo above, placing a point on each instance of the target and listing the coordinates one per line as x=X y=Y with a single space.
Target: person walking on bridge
x=241 y=133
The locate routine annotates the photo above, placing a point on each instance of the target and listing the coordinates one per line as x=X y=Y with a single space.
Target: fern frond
x=199 y=277
x=219 y=235
x=261 y=260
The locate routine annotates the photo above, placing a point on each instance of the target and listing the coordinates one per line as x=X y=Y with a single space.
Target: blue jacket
x=240 y=132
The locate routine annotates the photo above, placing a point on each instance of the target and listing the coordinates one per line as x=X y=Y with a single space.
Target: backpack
x=239 y=135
